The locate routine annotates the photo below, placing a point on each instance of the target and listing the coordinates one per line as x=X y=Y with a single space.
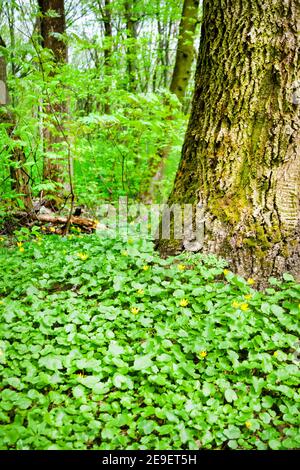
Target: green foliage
x=118 y=154
x=97 y=351
x=116 y=138
x=114 y=154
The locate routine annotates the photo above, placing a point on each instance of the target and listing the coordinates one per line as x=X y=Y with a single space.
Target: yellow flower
x=19 y=244
x=248 y=297
x=140 y=292
x=203 y=354
x=43 y=228
x=225 y=272
x=248 y=424
x=235 y=304
x=181 y=267
x=145 y=268
x=251 y=281
x=134 y=310
x=244 y=307
x=2 y=239
x=275 y=354
x=183 y=303
x=82 y=256
x=21 y=249
x=52 y=229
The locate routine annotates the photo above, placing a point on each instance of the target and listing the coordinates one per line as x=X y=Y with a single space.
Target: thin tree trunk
x=108 y=37
x=131 y=33
x=19 y=176
x=185 y=49
x=51 y=27
x=241 y=156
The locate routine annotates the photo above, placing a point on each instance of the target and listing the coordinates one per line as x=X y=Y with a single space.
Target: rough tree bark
x=51 y=27
x=241 y=155
x=185 y=49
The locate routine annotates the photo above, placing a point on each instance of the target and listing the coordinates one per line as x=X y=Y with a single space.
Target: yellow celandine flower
x=248 y=424
x=248 y=296
x=203 y=353
x=275 y=354
x=140 y=292
x=181 y=267
x=82 y=256
x=19 y=244
x=235 y=304
x=145 y=268
x=134 y=310
x=52 y=229
x=244 y=307
x=251 y=281
x=225 y=272
x=183 y=303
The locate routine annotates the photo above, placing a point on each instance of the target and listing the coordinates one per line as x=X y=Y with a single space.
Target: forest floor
x=107 y=346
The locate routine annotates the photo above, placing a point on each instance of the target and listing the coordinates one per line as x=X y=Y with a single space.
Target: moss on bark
x=241 y=155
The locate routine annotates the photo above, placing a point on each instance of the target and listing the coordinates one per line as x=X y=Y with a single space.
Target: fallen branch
x=57 y=219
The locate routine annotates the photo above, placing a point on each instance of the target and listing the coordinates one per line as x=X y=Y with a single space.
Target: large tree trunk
x=185 y=49
x=52 y=26
x=241 y=156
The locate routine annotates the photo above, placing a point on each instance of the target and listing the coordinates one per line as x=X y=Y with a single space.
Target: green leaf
x=230 y=395
x=51 y=362
x=143 y=362
x=232 y=432
x=115 y=349
x=274 y=443
x=89 y=381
